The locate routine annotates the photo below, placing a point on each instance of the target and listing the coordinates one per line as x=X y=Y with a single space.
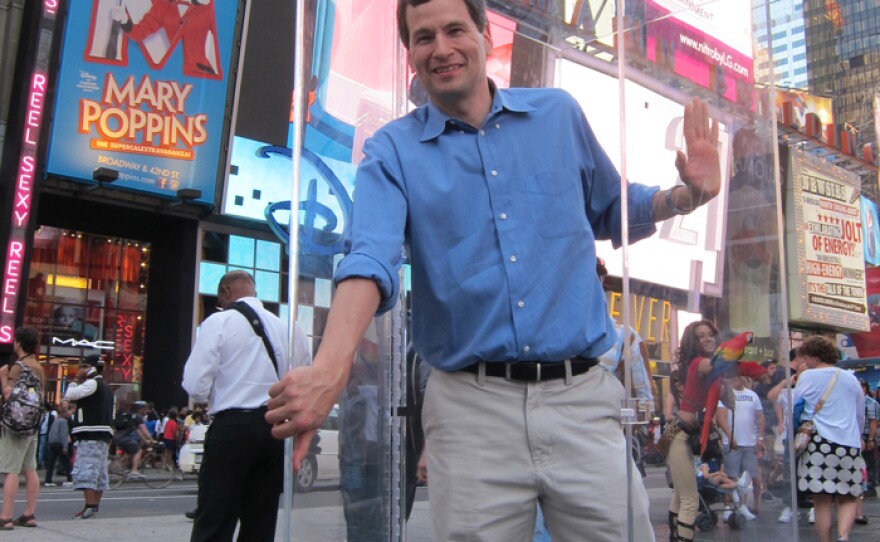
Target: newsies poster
x=824 y=239
x=142 y=90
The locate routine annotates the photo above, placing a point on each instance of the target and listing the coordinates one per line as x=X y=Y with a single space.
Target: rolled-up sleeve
x=378 y=221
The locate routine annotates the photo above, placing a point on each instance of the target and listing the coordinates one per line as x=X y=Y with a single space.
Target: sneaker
x=767 y=497
x=726 y=515
x=67 y=484
x=746 y=513
x=89 y=513
x=786 y=515
x=136 y=476
x=49 y=484
x=811 y=517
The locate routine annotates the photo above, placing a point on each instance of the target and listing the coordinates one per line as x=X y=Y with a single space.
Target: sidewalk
x=311 y=525
x=323 y=524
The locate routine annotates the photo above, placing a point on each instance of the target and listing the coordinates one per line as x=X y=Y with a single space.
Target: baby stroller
x=712 y=502
x=711 y=496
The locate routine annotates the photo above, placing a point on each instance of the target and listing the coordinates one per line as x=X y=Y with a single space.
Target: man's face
x=446 y=51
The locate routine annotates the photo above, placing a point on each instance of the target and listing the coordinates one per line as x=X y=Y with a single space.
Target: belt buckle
x=507 y=372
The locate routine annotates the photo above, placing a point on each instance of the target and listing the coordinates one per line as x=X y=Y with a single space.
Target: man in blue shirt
x=498 y=196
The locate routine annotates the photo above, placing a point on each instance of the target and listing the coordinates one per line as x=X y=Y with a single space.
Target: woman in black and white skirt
x=831 y=467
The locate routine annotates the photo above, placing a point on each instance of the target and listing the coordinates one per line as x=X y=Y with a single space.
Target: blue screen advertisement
x=872 y=233
x=142 y=90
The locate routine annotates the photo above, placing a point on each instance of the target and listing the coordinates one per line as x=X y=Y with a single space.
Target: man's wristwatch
x=670 y=202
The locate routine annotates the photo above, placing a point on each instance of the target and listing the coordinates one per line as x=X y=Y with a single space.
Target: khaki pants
x=495 y=450
x=685 y=501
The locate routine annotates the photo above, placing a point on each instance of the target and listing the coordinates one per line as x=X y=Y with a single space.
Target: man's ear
x=487 y=40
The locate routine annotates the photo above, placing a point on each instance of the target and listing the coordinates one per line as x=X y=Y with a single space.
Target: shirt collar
x=436 y=121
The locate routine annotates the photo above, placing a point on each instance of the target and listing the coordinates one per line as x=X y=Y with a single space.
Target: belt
x=231 y=411
x=532 y=371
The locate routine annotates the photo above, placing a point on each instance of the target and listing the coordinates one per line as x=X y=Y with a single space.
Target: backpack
x=23 y=411
x=123 y=421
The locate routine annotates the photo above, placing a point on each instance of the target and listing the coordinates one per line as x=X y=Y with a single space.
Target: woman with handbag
x=830 y=468
x=696 y=348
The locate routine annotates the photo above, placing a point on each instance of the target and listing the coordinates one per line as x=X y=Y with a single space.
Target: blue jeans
x=541 y=534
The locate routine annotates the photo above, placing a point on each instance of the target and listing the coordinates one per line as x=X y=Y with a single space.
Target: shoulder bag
x=804 y=433
x=251 y=315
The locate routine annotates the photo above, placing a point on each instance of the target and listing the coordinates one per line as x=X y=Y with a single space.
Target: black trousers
x=55 y=452
x=240 y=480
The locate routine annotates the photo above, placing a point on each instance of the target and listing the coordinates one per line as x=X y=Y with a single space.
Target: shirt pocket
x=556 y=202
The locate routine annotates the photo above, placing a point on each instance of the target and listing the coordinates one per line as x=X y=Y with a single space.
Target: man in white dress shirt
x=240 y=479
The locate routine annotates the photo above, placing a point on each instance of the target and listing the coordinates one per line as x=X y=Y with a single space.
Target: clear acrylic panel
x=632 y=66
x=350 y=484
x=721 y=263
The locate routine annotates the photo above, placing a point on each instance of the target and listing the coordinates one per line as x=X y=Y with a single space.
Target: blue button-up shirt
x=500 y=223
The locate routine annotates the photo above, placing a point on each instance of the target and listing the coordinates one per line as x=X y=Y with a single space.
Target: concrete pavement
x=327 y=524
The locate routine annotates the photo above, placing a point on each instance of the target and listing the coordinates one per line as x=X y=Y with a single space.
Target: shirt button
x=494 y=173
x=513 y=260
x=521 y=304
x=526 y=348
x=503 y=216
x=497 y=126
x=482 y=132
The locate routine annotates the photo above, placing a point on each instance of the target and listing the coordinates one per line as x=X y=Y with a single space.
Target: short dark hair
x=820 y=347
x=27 y=337
x=236 y=276
x=601 y=270
x=476 y=8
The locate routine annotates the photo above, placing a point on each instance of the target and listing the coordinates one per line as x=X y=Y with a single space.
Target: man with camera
x=91 y=432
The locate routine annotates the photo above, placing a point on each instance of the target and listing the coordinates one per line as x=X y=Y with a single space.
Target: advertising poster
x=709 y=43
x=681 y=240
x=142 y=90
x=826 y=245
x=803 y=103
x=872 y=231
x=868 y=344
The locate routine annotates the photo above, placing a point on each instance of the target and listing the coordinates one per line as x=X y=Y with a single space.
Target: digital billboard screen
x=142 y=90
x=709 y=43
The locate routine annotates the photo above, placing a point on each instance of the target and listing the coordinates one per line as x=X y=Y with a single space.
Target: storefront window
x=87 y=294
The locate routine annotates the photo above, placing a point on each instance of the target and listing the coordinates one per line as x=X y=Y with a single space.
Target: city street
x=318 y=516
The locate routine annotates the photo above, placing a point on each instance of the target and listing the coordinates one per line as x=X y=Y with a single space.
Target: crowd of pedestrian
x=838 y=468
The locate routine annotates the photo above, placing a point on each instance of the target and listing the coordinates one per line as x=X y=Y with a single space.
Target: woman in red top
x=696 y=348
x=169 y=437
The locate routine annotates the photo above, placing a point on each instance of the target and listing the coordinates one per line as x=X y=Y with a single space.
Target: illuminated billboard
x=824 y=240
x=709 y=43
x=691 y=246
x=871 y=227
x=803 y=103
x=14 y=264
x=142 y=90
